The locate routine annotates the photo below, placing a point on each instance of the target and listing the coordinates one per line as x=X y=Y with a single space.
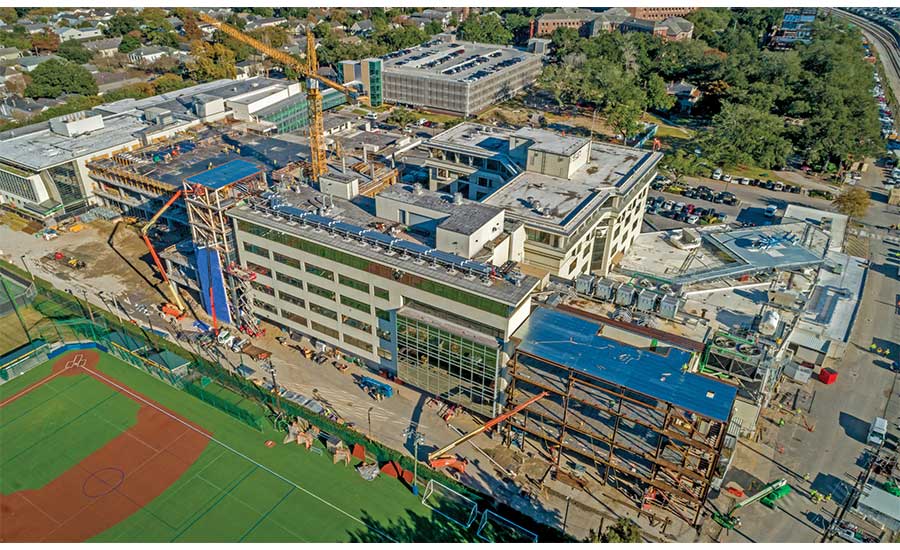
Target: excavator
x=175 y=307
x=441 y=459
x=310 y=70
x=768 y=495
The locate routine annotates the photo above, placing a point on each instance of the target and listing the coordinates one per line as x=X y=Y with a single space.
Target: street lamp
x=418 y=439
x=369 y=414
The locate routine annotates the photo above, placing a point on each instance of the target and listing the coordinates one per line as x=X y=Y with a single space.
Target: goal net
x=450 y=504
x=496 y=528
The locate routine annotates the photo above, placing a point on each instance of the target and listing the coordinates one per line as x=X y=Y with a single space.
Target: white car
x=779 y=186
x=693 y=218
x=668 y=205
x=744 y=181
x=717 y=174
x=726 y=178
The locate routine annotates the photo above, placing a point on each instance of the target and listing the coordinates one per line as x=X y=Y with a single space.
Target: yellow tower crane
x=310 y=71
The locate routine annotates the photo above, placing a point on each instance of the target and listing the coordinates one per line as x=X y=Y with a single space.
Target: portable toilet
x=669 y=306
x=584 y=284
x=603 y=289
x=625 y=295
x=646 y=300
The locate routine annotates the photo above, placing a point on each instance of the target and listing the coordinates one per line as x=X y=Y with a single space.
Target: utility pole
x=28 y=269
x=369 y=414
x=418 y=438
x=857 y=488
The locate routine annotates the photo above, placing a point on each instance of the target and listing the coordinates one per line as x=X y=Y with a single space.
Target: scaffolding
x=654 y=452
x=222 y=188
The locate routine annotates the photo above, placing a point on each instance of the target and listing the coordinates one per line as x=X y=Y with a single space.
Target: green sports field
x=238 y=489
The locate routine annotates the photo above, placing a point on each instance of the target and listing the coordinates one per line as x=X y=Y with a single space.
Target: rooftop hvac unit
x=584 y=284
x=604 y=289
x=646 y=300
x=749 y=349
x=669 y=306
x=724 y=342
x=625 y=295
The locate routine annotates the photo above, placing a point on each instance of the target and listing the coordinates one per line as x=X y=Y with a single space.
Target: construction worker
x=828 y=497
x=806 y=476
x=780 y=422
x=813 y=495
x=880 y=351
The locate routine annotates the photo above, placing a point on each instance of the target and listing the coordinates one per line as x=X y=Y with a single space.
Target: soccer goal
x=496 y=528
x=450 y=504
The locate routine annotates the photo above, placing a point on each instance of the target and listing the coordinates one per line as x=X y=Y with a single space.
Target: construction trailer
x=629 y=417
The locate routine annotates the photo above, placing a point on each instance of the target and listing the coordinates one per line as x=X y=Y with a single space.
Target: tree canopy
x=74 y=51
x=853 y=202
x=54 y=78
x=211 y=62
x=487 y=28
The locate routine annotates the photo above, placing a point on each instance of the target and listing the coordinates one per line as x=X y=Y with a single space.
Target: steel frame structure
x=657 y=453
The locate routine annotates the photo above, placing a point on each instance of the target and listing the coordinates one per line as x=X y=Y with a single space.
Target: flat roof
x=575 y=342
x=455 y=61
x=612 y=170
x=551 y=142
x=226 y=174
x=473 y=137
x=775 y=246
x=815 y=217
x=465 y=218
x=833 y=303
x=350 y=219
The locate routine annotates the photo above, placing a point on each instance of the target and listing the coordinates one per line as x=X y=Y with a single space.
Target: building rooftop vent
x=457 y=198
x=417 y=189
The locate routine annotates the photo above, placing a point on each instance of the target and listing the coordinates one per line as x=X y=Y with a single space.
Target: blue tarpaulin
x=209 y=271
x=228 y=173
x=574 y=342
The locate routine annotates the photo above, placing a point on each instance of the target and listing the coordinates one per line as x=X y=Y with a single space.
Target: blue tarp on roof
x=226 y=174
x=573 y=342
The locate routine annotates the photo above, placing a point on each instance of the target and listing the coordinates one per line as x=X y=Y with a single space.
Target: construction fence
x=68 y=319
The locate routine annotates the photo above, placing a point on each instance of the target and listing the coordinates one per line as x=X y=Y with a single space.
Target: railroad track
x=888 y=41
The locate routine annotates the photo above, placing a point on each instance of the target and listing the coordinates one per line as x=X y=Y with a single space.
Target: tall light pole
x=418 y=439
x=28 y=269
x=369 y=414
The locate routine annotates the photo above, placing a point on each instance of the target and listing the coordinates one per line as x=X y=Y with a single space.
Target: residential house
x=34 y=28
x=8 y=75
x=70 y=33
x=249 y=68
x=619 y=19
x=148 y=54
x=264 y=22
x=21 y=108
x=686 y=95
x=362 y=28
x=8 y=54
x=418 y=21
x=31 y=62
x=106 y=47
x=176 y=23
x=442 y=16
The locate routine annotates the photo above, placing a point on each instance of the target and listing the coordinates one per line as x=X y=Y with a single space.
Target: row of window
x=432 y=287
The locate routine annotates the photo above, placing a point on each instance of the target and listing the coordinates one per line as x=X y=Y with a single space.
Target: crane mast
x=310 y=71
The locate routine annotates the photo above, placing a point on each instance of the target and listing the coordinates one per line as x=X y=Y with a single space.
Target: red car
x=690 y=208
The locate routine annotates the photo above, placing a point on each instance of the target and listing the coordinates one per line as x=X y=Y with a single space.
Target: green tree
x=8 y=15
x=14 y=39
x=120 y=25
x=54 y=78
x=433 y=27
x=401 y=117
x=744 y=135
x=681 y=164
x=624 y=530
x=487 y=28
x=74 y=51
x=853 y=202
x=211 y=62
x=169 y=83
x=129 y=43
x=657 y=96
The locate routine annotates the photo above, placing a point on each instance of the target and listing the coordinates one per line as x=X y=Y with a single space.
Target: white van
x=877 y=431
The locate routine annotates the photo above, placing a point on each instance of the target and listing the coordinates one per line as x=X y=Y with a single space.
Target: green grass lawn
x=239 y=489
x=57 y=425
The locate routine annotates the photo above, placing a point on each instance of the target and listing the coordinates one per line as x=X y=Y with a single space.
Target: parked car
x=778 y=186
x=744 y=181
x=771 y=210
x=690 y=208
x=667 y=206
x=717 y=174
x=770 y=185
x=693 y=218
x=726 y=178
x=678 y=207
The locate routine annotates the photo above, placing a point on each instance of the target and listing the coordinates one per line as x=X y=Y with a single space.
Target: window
x=262 y=305
x=385 y=354
x=356 y=342
x=323 y=292
x=321 y=272
x=287 y=260
x=258 y=250
x=265 y=289
x=319 y=327
x=353 y=283
x=256 y=268
x=382 y=314
x=382 y=293
x=375 y=268
x=356 y=304
x=323 y=311
x=357 y=324
x=290 y=316
x=292 y=299
x=289 y=280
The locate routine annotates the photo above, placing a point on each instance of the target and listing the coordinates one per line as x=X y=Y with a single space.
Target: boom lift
x=440 y=459
x=310 y=71
x=176 y=307
x=768 y=495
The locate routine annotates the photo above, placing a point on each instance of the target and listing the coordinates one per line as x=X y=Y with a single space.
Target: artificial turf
x=260 y=496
